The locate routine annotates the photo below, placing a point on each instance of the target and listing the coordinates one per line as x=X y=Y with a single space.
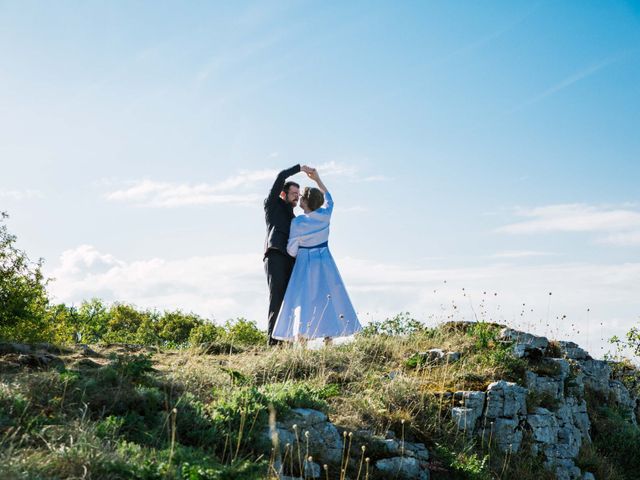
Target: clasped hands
x=311 y=172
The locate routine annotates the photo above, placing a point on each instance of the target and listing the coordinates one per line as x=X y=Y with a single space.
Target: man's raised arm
x=278 y=185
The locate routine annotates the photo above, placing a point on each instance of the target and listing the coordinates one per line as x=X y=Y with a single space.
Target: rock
x=403 y=468
x=506 y=434
x=434 y=356
x=505 y=399
x=417 y=450
x=588 y=476
x=573 y=351
x=452 y=357
x=597 y=374
x=551 y=386
x=325 y=443
x=620 y=395
x=580 y=416
x=574 y=385
x=311 y=469
x=87 y=363
x=7 y=348
x=511 y=335
x=40 y=360
x=309 y=416
x=544 y=426
x=466 y=417
x=525 y=344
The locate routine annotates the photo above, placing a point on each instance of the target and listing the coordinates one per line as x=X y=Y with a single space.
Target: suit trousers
x=278 y=267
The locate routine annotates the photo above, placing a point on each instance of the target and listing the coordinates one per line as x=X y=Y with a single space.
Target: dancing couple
x=307 y=298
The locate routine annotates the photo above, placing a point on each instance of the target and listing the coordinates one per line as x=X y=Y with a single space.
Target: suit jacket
x=278 y=214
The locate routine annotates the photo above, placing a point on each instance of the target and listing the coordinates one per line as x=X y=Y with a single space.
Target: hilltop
x=461 y=400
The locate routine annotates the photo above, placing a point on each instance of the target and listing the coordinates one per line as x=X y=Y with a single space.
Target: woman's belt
x=320 y=245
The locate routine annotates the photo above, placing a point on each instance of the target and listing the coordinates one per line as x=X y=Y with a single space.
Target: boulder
x=407 y=468
x=505 y=399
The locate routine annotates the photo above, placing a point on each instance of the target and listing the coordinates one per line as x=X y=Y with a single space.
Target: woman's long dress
x=316 y=303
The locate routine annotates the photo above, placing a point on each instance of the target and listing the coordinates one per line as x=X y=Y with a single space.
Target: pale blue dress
x=316 y=303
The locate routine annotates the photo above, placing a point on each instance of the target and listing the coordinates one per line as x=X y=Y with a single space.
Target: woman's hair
x=314 y=197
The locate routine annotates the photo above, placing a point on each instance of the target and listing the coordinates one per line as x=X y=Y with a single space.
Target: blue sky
x=490 y=145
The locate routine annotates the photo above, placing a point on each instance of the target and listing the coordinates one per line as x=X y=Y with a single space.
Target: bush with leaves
x=401 y=324
x=23 y=296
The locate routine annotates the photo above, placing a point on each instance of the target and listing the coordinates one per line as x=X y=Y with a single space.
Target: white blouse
x=310 y=229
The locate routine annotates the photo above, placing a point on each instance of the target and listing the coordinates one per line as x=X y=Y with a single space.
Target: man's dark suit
x=278 y=264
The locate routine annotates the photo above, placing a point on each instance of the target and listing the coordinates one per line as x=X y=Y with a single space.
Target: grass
x=198 y=413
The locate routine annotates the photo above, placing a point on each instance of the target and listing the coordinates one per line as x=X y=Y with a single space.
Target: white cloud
x=227 y=286
x=628 y=239
x=18 y=195
x=232 y=190
x=149 y=193
x=520 y=254
x=348 y=172
x=573 y=218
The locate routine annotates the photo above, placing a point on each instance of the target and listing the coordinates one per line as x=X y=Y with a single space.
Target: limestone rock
x=544 y=426
x=525 y=344
x=573 y=351
x=466 y=417
x=403 y=468
x=506 y=399
x=597 y=374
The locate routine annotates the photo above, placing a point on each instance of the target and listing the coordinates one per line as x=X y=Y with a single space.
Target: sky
x=484 y=157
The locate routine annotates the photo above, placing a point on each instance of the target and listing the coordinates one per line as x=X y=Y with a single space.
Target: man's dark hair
x=288 y=185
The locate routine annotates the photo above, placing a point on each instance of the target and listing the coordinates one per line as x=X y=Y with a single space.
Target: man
x=278 y=264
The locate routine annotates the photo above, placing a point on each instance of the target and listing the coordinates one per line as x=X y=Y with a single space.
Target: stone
x=588 y=476
x=621 y=396
x=525 y=345
x=544 y=426
x=573 y=351
x=309 y=416
x=505 y=399
x=597 y=374
x=452 y=357
x=311 y=469
x=523 y=338
x=417 y=450
x=551 y=386
x=466 y=417
x=505 y=433
x=325 y=443
x=6 y=348
x=580 y=416
x=436 y=356
x=403 y=468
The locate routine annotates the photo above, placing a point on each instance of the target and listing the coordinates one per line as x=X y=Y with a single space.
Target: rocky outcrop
x=320 y=443
x=545 y=415
x=550 y=406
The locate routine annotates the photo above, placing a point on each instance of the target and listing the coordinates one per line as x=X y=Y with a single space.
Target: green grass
x=188 y=414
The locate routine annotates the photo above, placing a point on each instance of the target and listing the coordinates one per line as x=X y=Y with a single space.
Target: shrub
x=244 y=332
x=205 y=333
x=23 y=296
x=402 y=324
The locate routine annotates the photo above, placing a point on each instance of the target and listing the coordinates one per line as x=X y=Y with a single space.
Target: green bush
x=244 y=332
x=402 y=324
x=23 y=297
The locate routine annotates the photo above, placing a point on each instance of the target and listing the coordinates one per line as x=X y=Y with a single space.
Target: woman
x=316 y=303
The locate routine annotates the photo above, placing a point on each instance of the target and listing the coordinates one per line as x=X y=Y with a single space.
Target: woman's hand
x=313 y=174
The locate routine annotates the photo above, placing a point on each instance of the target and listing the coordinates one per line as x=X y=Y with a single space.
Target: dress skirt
x=316 y=303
